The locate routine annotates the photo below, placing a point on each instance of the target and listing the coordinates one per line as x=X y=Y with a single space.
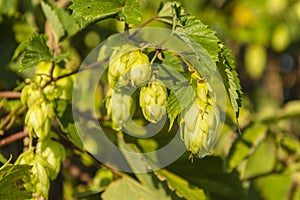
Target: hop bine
x=153 y=100
x=199 y=122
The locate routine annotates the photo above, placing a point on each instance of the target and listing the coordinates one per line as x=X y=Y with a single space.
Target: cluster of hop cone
x=129 y=68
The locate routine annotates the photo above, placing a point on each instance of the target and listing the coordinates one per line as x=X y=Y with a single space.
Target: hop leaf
x=153 y=100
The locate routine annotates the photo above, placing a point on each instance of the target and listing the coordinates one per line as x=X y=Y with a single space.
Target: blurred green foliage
x=263 y=162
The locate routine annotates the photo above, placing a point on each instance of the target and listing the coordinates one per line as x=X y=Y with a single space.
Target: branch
x=10 y=95
x=13 y=138
x=9 y=116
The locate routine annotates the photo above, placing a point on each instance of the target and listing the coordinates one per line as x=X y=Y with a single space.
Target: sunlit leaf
x=181 y=186
x=90 y=11
x=132 y=12
x=36 y=52
x=230 y=79
x=53 y=19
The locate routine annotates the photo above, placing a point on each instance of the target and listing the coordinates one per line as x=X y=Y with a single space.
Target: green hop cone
x=38 y=119
x=119 y=106
x=128 y=65
x=153 y=100
x=53 y=153
x=140 y=69
x=199 y=123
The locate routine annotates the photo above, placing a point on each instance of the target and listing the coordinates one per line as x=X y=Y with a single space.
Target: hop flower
x=140 y=70
x=38 y=119
x=119 y=106
x=199 y=122
x=153 y=99
x=128 y=67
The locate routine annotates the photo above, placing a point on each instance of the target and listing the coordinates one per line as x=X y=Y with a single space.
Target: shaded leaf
x=65 y=119
x=12 y=182
x=128 y=188
x=208 y=173
x=146 y=179
x=181 y=186
x=262 y=161
x=275 y=186
x=245 y=145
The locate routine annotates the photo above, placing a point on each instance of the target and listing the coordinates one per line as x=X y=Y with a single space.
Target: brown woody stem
x=13 y=138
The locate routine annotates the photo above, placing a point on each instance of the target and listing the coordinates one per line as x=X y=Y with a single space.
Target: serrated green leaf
x=61 y=22
x=132 y=12
x=263 y=159
x=177 y=100
x=199 y=32
x=230 y=79
x=36 y=52
x=204 y=64
x=181 y=186
x=53 y=19
x=90 y=11
x=245 y=145
x=12 y=182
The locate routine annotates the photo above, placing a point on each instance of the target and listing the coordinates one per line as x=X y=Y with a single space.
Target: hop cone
x=199 y=122
x=130 y=67
x=153 y=99
x=119 y=106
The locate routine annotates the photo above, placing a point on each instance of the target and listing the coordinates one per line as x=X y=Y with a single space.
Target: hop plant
x=199 y=122
x=130 y=67
x=153 y=100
